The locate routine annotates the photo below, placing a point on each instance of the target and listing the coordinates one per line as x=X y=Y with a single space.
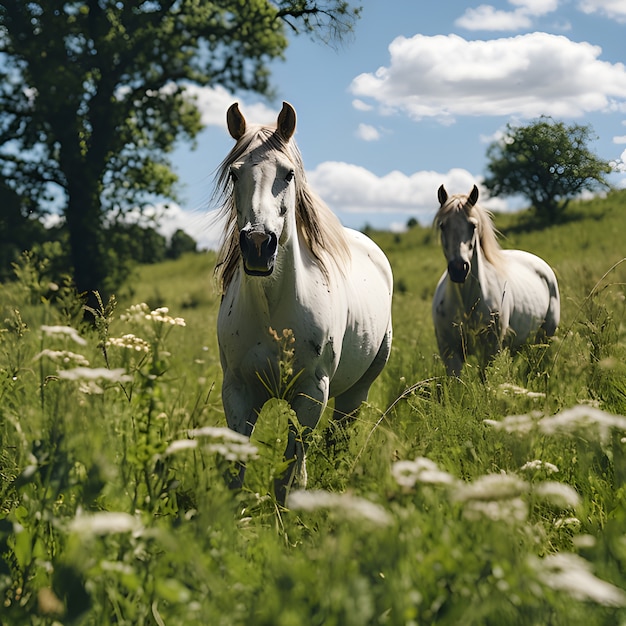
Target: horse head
x=264 y=189
x=459 y=231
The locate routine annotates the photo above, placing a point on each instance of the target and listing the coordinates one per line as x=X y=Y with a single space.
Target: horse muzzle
x=258 y=251
x=458 y=270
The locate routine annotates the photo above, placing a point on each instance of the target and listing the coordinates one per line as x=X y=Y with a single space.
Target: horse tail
x=553 y=314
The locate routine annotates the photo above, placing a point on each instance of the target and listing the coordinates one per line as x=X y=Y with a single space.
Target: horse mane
x=487 y=232
x=321 y=230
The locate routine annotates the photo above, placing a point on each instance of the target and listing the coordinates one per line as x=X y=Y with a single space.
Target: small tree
x=181 y=243
x=547 y=162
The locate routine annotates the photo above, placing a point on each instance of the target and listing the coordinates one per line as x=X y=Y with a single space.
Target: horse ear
x=442 y=194
x=236 y=121
x=286 y=125
x=473 y=197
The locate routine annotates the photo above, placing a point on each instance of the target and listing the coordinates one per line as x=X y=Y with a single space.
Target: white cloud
x=487 y=17
x=619 y=139
x=367 y=132
x=527 y=75
x=213 y=103
x=349 y=188
x=359 y=105
x=169 y=217
x=613 y=9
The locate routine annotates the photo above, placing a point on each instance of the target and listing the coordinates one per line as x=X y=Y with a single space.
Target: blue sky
x=415 y=96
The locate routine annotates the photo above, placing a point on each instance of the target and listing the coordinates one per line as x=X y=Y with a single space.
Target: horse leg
x=240 y=416
x=348 y=403
x=308 y=406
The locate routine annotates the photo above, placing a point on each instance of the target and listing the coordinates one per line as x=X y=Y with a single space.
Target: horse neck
x=473 y=289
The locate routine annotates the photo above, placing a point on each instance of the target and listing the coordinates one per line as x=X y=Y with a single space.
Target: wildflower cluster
x=130 y=342
x=140 y=312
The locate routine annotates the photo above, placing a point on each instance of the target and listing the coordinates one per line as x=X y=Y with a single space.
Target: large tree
x=547 y=162
x=92 y=96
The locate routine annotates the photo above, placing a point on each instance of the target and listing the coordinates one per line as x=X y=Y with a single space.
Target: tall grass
x=496 y=499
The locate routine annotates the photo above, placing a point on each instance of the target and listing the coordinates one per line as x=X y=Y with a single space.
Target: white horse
x=287 y=263
x=488 y=298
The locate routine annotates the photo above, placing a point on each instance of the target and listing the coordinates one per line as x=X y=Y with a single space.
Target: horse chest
x=251 y=333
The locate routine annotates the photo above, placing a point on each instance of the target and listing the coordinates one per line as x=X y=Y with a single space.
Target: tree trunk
x=84 y=223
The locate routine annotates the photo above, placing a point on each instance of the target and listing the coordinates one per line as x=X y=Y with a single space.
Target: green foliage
x=96 y=94
x=180 y=244
x=496 y=499
x=547 y=162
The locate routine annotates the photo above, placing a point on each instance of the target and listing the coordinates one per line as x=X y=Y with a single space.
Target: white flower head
x=353 y=507
x=537 y=465
x=117 y=375
x=422 y=470
x=129 y=342
x=511 y=389
x=105 y=523
x=231 y=445
x=492 y=487
x=64 y=357
x=65 y=331
x=510 y=510
x=558 y=494
x=583 y=420
x=572 y=574
x=520 y=424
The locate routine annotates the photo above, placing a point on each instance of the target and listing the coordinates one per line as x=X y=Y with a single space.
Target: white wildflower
x=353 y=507
x=572 y=574
x=218 y=432
x=90 y=387
x=233 y=451
x=62 y=356
x=584 y=542
x=135 y=312
x=67 y=331
x=492 y=487
x=422 y=470
x=105 y=523
x=130 y=342
x=583 y=420
x=507 y=510
x=231 y=445
x=558 y=494
x=522 y=424
x=510 y=388
x=495 y=496
x=567 y=522
x=537 y=465
x=180 y=444
x=162 y=315
x=117 y=375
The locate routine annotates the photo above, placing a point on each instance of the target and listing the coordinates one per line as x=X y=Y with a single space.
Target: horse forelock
x=487 y=233
x=320 y=228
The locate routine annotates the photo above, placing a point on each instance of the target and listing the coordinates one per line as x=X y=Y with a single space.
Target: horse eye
x=290 y=175
x=233 y=176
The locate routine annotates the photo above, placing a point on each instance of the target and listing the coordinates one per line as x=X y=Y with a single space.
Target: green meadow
x=493 y=499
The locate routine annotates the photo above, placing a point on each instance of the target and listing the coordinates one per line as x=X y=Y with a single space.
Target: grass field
x=486 y=500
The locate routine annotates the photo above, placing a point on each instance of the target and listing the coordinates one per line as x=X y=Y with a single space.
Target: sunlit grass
x=496 y=499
